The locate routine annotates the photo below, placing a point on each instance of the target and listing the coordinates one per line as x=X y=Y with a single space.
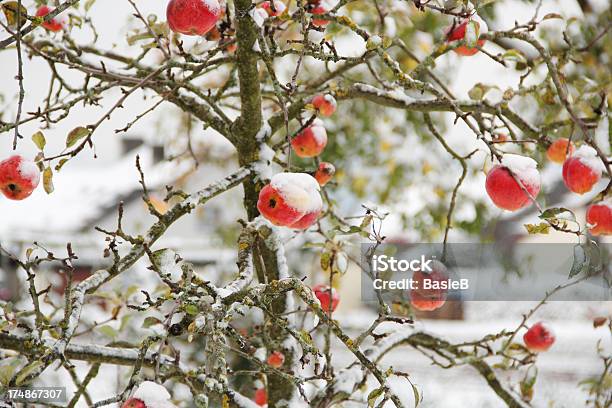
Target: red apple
x=558 y=150
x=324 y=173
x=325 y=104
x=276 y=359
x=291 y=200
x=193 y=17
x=327 y=296
x=582 y=170
x=503 y=189
x=133 y=403
x=599 y=215
x=261 y=397
x=311 y=141
x=539 y=337
x=466 y=30
x=278 y=5
x=54 y=24
x=18 y=177
x=427 y=298
x=318 y=8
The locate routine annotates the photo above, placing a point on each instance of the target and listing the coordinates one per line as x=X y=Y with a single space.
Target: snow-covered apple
x=279 y=7
x=18 y=177
x=149 y=395
x=276 y=359
x=582 y=170
x=539 y=337
x=469 y=31
x=558 y=150
x=291 y=200
x=324 y=173
x=193 y=17
x=311 y=141
x=324 y=104
x=504 y=190
x=599 y=216
x=54 y=24
x=261 y=397
x=428 y=294
x=328 y=297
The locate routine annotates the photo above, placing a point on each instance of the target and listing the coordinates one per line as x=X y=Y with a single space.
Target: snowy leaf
x=581 y=261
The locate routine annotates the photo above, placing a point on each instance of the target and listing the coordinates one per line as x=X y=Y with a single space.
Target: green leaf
x=75 y=135
x=541 y=228
x=25 y=372
x=10 y=8
x=39 y=140
x=553 y=212
x=191 y=309
x=108 y=331
x=372 y=396
x=150 y=321
x=7 y=369
x=61 y=163
x=326 y=260
x=417 y=396
x=89 y=4
x=48 y=180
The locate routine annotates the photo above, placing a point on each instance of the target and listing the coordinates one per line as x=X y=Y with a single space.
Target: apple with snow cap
x=324 y=173
x=429 y=297
x=539 y=337
x=279 y=8
x=193 y=17
x=54 y=24
x=558 y=150
x=582 y=170
x=328 y=297
x=324 y=104
x=468 y=30
x=504 y=190
x=18 y=177
x=599 y=217
x=311 y=141
x=291 y=200
x=149 y=395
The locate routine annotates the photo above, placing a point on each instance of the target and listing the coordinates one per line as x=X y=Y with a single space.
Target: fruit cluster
x=515 y=182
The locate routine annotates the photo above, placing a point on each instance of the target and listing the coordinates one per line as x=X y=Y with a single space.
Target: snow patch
x=299 y=190
x=588 y=156
x=153 y=395
x=29 y=171
x=318 y=130
x=525 y=168
x=213 y=5
x=259 y=16
x=347 y=379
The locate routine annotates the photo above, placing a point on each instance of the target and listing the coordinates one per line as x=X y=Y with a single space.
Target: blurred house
x=86 y=197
